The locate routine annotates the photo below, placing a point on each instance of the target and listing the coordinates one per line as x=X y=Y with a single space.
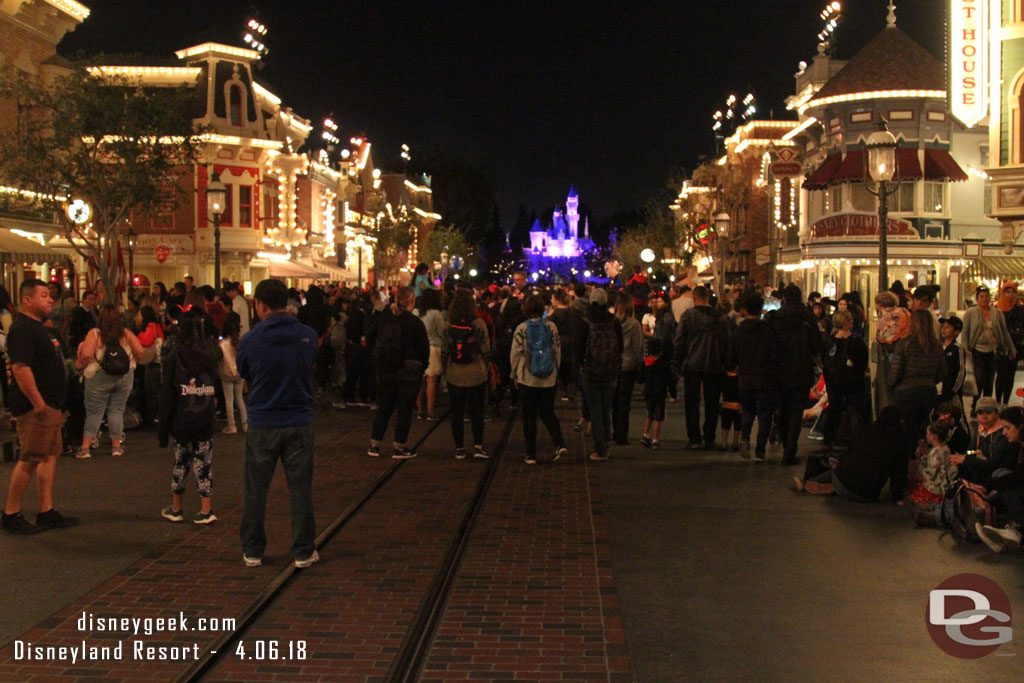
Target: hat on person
x=953 y=320
x=980 y=289
x=986 y=404
x=599 y=296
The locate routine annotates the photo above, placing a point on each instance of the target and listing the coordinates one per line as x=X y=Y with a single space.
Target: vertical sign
x=968 y=60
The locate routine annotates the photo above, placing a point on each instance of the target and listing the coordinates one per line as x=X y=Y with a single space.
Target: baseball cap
x=986 y=404
x=599 y=296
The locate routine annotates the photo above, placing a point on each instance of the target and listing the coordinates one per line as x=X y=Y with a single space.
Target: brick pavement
x=201 y=574
x=535 y=599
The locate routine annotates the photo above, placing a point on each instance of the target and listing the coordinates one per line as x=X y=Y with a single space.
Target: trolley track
x=411 y=654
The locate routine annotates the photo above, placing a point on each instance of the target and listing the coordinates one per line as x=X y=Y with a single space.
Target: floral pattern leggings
x=197 y=455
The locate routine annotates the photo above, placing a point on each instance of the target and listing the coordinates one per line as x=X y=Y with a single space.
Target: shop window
x=902 y=198
x=229 y=198
x=163 y=214
x=863 y=200
x=934 y=197
x=245 y=206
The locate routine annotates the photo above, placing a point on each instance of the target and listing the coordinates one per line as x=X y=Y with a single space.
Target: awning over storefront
x=820 y=177
x=852 y=167
x=293 y=269
x=939 y=165
x=17 y=249
x=996 y=268
x=908 y=167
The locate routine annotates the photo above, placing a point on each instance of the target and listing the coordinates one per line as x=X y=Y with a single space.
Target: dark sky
x=609 y=96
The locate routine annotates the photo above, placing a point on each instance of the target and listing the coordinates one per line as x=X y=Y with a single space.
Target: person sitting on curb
x=1008 y=485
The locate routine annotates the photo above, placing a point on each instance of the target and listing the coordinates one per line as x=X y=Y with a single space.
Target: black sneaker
x=460 y=453
x=655 y=445
x=51 y=519
x=403 y=453
x=373 y=451
x=760 y=455
x=479 y=452
x=645 y=441
x=169 y=513
x=559 y=452
x=790 y=461
x=695 y=446
x=17 y=524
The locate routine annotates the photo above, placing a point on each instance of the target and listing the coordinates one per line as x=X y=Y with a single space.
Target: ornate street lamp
x=881 y=148
x=723 y=221
x=216 y=204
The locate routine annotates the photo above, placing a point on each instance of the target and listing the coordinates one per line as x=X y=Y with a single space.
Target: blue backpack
x=538 y=346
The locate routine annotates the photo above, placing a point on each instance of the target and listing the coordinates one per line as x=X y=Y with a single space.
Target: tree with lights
x=446 y=240
x=391 y=234
x=101 y=139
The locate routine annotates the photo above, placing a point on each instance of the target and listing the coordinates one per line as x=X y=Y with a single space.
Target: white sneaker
x=998 y=540
x=252 y=561
x=302 y=564
x=231 y=429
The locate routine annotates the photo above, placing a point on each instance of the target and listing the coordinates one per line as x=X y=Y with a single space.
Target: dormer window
x=236 y=99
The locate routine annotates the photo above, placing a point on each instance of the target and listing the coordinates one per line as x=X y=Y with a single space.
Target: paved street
x=655 y=566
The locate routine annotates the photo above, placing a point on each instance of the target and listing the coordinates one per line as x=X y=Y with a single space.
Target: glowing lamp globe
x=647 y=255
x=881 y=148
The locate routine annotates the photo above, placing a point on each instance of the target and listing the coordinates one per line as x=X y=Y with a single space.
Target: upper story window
x=235 y=104
x=934 y=197
x=245 y=206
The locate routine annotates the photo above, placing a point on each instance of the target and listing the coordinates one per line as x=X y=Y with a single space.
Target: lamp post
x=216 y=202
x=881 y=148
x=722 y=224
x=130 y=235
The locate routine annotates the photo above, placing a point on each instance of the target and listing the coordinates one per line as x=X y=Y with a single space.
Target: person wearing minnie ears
x=276 y=359
x=187 y=406
x=37 y=397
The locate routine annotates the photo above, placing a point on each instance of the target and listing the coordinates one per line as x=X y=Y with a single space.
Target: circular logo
x=968 y=616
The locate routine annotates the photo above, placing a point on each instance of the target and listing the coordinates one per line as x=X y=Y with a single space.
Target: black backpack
x=603 y=355
x=963 y=505
x=463 y=347
x=115 y=360
x=387 y=351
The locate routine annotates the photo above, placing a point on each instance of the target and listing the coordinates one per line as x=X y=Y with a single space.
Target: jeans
x=622 y=404
x=599 y=397
x=760 y=403
x=474 y=398
x=397 y=392
x=791 y=413
x=293 y=446
x=1006 y=370
x=233 y=396
x=107 y=394
x=539 y=401
x=984 y=372
x=693 y=384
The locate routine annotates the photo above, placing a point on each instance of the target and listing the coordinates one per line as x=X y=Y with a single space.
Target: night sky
x=611 y=97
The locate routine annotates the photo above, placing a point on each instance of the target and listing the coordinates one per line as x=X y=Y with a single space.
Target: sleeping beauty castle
x=559 y=249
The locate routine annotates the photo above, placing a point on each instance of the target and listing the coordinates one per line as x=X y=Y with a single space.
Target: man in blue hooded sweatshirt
x=276 y=358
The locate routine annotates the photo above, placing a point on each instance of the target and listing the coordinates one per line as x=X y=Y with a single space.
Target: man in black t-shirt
x=37 y=400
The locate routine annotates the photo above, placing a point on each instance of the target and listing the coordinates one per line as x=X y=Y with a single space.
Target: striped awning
x=1000 y=268
x=17 y=249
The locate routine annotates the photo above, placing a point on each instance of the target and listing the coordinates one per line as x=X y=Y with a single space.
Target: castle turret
x=572 y=216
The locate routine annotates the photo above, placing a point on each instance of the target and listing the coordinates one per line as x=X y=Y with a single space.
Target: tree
x=444 y=240
x=654 y=230
x=391 y=235
x=104 y=139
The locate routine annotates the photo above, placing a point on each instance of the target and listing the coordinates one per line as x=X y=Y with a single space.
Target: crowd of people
x=741 y=358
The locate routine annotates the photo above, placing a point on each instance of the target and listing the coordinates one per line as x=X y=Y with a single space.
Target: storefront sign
x=165 y=245
x=968 y=60
x=860 y=225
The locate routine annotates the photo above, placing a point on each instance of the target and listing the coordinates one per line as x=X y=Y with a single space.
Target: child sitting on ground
x=658 y=382
x=936 y=472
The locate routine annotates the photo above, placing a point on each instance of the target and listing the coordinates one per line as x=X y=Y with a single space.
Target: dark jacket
x=665 y=331
x=993 y=452
x=956 y=371
x=276 y=357
x=799 y=344
x=1014 y=481
x=658 y=378
x=702 y=340
x=415 y=345
x=913 y=368
x=751 y=352
x=569 y=323
x=877 y=453
x=188 y=399
x=597 y=315
x=845 y=363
